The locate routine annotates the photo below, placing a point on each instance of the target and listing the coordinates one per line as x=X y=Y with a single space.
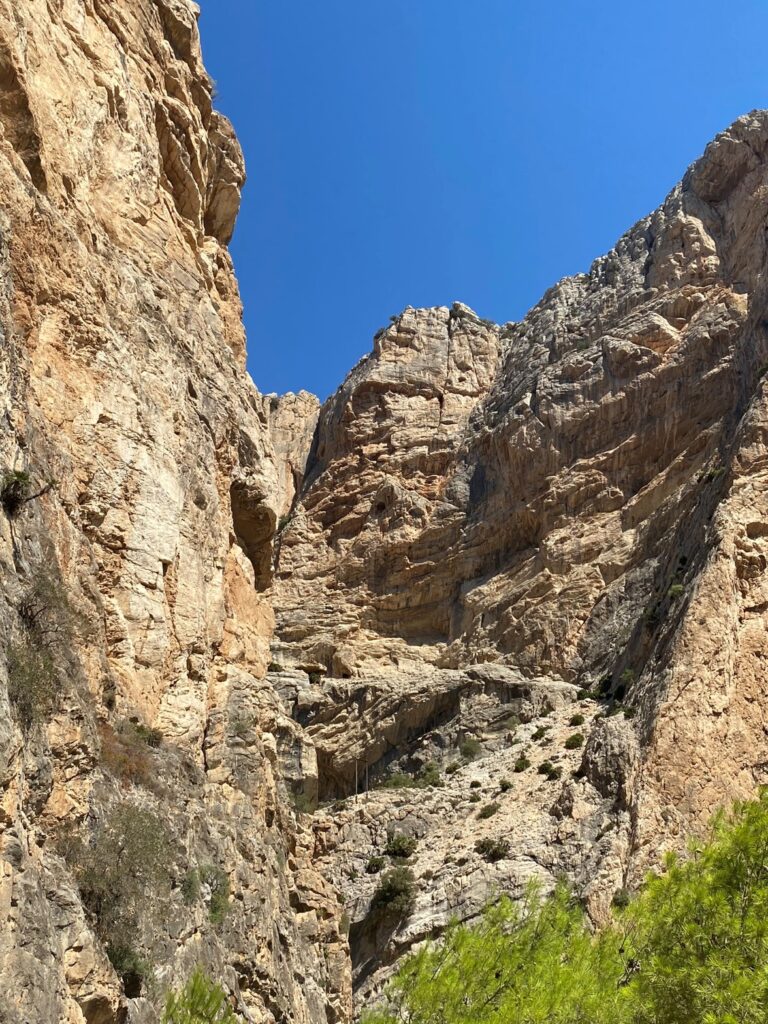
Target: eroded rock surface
x=589 y=511
x=122 y=379
x=519 y=567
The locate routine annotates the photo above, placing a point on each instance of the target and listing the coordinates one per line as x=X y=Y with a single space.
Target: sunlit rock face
x=577 y=497
x=122 y=379
x=219 y=608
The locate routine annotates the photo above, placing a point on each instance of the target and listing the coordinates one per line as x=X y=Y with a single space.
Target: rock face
x=135 y=586
x=577 y=496
x=504 y=594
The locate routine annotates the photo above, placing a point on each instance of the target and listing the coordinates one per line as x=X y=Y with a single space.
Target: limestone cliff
x=136 y=547
x=509 y=580
x=576 y=498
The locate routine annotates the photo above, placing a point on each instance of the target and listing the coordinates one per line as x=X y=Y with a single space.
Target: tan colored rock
x=122 y=378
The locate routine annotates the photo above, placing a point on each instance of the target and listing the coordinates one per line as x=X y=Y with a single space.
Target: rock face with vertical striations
x=134 y=605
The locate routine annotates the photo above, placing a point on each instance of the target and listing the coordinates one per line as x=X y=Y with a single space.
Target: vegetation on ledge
x=690 y=948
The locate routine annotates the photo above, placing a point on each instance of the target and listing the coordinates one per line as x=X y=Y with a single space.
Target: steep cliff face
x=518 y=570
x=589 y=512
x=133 y=608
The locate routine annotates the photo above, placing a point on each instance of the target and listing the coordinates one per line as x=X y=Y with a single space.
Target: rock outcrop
x=136 y=558
x=576 y=496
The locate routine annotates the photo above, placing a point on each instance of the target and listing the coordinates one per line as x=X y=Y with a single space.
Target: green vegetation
x=505 y=785
x=470 y=749
x=576 y=720
x=123 y=873
x=375 y=864
x=492 y=849
x=126 y=753
x=475 y=784
x=552 y=772
x=453 y=767
x=217 y=883
x=15 y=488
x=488 y=811
x=201 y=1001
x=400 y=846
x=676 y=590
x=33 y=684
x=395 y=895
x=522 y=764
x=427 y=777
x=540 y=733
x=474 y=797
x=34 y=658
x=690 y=948
x=574 y=742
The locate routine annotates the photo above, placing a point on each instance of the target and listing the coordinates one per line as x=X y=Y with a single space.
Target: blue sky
x=416 y=152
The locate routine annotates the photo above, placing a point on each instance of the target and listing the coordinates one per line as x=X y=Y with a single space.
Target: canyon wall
x=502 y=594
x=576 y=498
x=135 y=586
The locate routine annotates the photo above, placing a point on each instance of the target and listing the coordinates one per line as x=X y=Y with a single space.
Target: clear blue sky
x=416 y=152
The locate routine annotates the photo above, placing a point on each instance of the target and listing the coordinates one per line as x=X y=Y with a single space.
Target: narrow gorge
x=497 y=608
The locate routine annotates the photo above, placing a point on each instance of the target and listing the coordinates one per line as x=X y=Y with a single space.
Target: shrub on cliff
x=123 y=872
x=395 y=894
x=400 y=846
x=33 y=684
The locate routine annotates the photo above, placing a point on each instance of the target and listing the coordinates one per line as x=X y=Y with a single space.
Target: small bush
x=201 y=1001
x=123 y=873
x=133 y=969
x=152 y=737
x=190 y=887
x=630 y=712
x=551 y=771
x=395 y=895
x=576 y=720
x=474 y=797
x=126 y=756
x=399 y=780
x=453 y=767
x=676 y=590
x=470 y=749
x=375 y=865
x=489 y=810
x=522 y=764
x=475 y=784
x=505 y=785
x=33 y=684
x=15 y=487
x=621 y=898
x=492 y=850
x=400 y=846
x=217 y=883
x=575 y=741
x=540 y=733
x=429 y=776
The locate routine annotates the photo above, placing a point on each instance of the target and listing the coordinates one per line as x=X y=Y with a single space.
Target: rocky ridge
x=592 y=516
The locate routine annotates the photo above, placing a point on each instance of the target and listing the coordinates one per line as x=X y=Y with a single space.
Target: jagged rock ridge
x=590 y=511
